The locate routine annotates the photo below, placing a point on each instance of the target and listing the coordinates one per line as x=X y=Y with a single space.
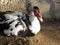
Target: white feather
x=10 y=16
x=14 y=23
x=16 y=30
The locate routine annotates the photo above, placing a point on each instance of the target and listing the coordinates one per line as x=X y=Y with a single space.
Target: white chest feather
x=35 y=25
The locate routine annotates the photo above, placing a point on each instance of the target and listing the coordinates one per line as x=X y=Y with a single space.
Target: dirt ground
x=49 y=35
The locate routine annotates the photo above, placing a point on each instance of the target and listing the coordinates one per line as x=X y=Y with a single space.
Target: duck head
x=37 y=13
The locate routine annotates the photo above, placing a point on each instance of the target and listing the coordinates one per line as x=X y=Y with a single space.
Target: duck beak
x=39 y=16
x=41 y=19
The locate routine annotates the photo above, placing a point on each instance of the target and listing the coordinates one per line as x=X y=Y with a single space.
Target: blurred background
x=49 y=8
x=50 y=28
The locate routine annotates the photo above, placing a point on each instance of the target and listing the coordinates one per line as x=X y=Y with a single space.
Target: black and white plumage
x=35 y=18
x=12 y=25
x=19 y=24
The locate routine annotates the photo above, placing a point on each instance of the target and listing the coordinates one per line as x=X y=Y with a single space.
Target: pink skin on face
x=38 y=14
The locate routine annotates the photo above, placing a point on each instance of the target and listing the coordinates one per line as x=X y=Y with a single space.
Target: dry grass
x=49 y=35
